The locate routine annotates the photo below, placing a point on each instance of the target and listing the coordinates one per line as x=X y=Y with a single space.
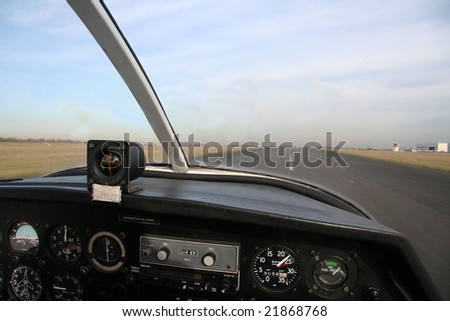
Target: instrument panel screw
x=130 y=279
x=84 y=270
x=41 y=263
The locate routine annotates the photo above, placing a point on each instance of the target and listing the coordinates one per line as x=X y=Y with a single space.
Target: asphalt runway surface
x=412 y=200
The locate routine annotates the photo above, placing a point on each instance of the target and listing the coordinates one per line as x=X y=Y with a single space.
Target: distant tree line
x=39 y=140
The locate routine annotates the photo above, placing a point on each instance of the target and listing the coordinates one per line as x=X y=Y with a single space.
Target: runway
x=412 y=200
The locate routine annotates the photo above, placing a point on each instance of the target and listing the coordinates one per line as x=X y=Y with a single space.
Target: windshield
x=352 y=96
x=251 y=74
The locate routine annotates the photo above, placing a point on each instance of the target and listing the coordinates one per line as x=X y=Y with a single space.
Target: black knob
x=225 y=286
x=373 y=294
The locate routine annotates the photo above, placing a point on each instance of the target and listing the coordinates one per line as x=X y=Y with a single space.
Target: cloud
x=239 y=70
x=135 y=12
x=31 y=13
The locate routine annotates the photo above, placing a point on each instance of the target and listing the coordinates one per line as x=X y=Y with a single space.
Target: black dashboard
x=221 y=238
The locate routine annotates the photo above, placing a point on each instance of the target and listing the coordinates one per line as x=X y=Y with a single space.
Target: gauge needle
x=63 y=289
x=336 y=271
x=107 y=250
x=281 y=263
x=65 y=233
x=59 y=288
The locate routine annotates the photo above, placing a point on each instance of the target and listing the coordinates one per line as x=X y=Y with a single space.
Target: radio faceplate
x=189 y=254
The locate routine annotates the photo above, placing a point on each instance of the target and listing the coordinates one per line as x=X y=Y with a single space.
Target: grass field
x=440 y=161
x=34 y=159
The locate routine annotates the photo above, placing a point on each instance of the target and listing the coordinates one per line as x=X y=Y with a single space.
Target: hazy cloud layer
x=374 y=73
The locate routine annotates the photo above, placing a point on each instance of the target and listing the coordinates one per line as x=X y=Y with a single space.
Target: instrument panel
x=96 y=253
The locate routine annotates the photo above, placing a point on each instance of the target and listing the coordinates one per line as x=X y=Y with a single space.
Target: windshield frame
x=101 y=24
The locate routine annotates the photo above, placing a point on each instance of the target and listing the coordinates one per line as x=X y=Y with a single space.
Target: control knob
x=209 y=259
x=163 y=254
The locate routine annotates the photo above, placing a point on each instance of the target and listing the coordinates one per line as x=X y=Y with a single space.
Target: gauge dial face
x=25 y=283
x=106 y=252
x=109 y=164
x=66 y=287
x=330 y=273
x=276 y=268
x=65 y=243
x=23 y=238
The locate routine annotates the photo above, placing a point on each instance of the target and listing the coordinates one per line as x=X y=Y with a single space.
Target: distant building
x=396 y=147
x=433 y=147
x=429 y=147
x=442 y=147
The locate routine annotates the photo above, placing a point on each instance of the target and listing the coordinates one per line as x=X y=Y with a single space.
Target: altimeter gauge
x=276 y=268
x=65 y=243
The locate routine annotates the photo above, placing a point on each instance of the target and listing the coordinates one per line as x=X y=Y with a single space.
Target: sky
x=372 y=72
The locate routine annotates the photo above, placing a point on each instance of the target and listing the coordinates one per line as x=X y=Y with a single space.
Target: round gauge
x=25 y=283
x=276 y=268
x=66 y=287
x=109 y=164
x=330 y=273
x=65 y=243
x=106 y=252
x=23 y=238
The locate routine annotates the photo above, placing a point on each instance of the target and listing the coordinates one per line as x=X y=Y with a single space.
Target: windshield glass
x=352 y=96
x=233 y=77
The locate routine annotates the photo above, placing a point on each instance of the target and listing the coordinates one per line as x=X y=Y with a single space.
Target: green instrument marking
x=332 y=263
